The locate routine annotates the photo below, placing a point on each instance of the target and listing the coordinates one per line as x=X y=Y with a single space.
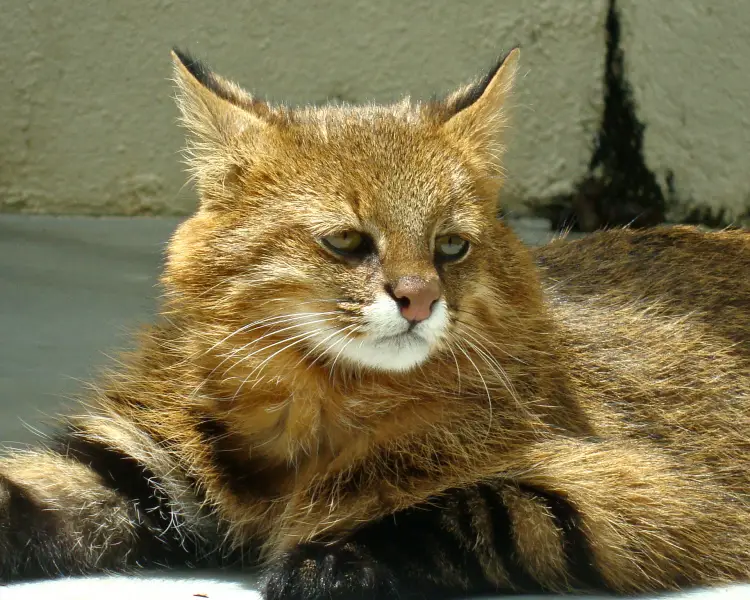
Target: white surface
x=165 y=586
x=218 y=586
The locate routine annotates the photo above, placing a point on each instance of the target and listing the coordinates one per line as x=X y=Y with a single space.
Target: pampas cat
x=363 y=382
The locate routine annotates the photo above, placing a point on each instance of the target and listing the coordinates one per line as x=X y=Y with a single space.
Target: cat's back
x=679 y=271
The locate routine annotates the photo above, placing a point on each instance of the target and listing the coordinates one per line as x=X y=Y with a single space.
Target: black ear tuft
x=202 y=73
x=475 y=91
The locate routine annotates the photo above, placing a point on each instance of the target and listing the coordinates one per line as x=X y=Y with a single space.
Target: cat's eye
x=347 y=243
x=450 y=247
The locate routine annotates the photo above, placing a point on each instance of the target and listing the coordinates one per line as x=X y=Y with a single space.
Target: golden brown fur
x=593 y=394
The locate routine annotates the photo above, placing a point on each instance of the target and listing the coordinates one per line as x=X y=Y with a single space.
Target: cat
x=364 y=383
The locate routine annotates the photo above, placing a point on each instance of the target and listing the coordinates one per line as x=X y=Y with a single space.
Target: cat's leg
x=645 y=518
x=456 y=544
x=79 y=510
x=581 y=516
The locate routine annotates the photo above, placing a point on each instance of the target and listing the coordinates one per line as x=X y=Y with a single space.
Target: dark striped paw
x=336 y=572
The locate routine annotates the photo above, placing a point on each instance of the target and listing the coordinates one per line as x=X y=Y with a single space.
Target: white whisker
x=274 y=320
x=298 y=320
x=323 y=341
x=496 y=367
x=333 y=365
x=458 y=369
x=254 y=352
x=484 y=383
x=296 y=340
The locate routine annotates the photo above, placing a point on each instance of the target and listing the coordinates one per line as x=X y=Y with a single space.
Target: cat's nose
x=416 y=296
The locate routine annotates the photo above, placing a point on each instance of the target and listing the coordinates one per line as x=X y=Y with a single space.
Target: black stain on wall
x=618 y=188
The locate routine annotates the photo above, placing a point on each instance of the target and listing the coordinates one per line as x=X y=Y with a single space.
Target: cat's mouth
x=396 y=345
x=408 y=336
x=383 y=340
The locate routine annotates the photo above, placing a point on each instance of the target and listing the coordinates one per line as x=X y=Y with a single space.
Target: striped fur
x=582 y=425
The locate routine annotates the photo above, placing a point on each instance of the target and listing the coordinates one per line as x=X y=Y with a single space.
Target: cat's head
x=340 y=234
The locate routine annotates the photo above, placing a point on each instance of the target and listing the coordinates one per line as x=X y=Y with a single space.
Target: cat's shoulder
x=679 y=268
x=684 y=249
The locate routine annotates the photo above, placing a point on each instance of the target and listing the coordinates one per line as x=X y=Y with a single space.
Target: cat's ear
x=213 y=109
x=476 y=113
x=225 y=126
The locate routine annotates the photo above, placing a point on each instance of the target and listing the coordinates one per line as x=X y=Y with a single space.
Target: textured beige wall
x=87 y=122
x=689 y=66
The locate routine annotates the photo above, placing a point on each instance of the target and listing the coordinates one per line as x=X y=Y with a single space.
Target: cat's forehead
x=383 y=153
x=376 y=169
x=381 y=134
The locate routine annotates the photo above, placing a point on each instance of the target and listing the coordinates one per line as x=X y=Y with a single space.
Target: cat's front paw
x=330 y=572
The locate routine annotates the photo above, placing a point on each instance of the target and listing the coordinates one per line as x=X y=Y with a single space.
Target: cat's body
x=572 y=417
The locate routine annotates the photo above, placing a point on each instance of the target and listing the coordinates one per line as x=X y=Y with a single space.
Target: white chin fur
x=386 y=345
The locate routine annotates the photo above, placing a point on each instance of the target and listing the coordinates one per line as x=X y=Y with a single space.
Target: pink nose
x=415 y=297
